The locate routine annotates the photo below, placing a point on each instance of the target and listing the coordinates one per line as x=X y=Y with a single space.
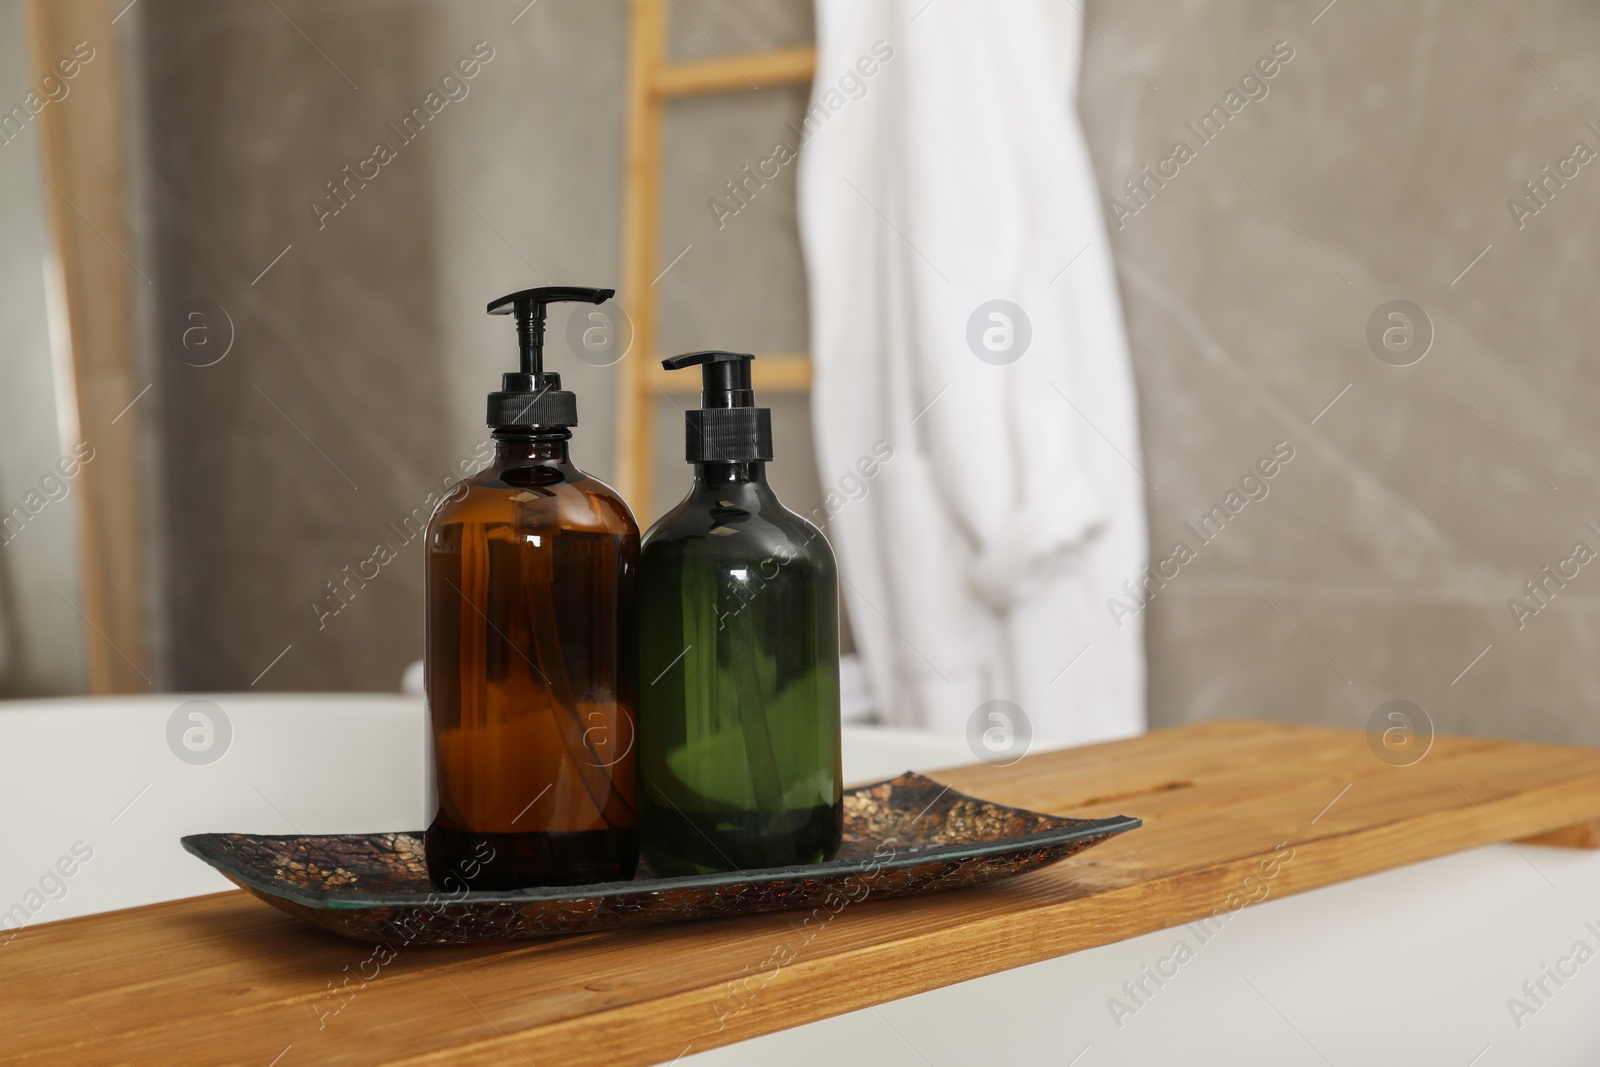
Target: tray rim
x=205 y=847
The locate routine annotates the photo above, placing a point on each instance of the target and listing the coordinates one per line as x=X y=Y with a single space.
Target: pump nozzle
x=529 y=306
x=724 y=377
x=728 y=427
x=530 y=396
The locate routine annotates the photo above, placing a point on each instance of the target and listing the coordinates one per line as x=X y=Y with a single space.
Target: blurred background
x=338 y=371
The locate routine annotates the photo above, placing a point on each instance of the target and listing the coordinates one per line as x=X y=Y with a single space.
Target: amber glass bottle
x=530 y=650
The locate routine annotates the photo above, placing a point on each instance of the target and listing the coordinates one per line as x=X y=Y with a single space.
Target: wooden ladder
x=652 y=82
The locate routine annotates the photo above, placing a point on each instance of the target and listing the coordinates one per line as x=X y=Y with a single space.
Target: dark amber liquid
x=530 y=675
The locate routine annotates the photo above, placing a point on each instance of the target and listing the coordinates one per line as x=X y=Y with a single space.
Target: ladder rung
x=736 y=74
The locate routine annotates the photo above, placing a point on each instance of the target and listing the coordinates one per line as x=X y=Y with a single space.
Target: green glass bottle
x=739 y=656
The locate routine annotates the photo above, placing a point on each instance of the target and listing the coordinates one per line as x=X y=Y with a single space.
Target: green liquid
x=739 y=683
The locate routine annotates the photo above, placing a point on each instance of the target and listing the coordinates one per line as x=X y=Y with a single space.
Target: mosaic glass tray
x=903 y=836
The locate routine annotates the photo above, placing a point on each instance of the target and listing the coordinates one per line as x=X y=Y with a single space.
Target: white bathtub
x=1409 y=968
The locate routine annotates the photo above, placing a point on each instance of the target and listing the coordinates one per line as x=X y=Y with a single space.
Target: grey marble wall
x=1373 y=165
x=359 y=362
x=1377 y=167
x=326 y=420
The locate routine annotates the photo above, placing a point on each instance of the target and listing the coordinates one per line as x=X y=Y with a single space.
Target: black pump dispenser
x=728 y=427
x=531 y=396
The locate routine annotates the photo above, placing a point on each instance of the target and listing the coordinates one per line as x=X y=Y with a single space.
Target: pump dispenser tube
x=530 y=647
x=739 y=630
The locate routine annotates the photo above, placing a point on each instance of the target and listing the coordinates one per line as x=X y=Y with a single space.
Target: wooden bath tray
x=223 y=979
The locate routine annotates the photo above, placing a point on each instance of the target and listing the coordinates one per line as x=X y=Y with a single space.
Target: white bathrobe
x=945 y=169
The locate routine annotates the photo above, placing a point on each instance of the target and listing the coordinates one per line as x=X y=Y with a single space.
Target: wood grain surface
x=1234 y=812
